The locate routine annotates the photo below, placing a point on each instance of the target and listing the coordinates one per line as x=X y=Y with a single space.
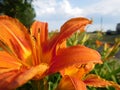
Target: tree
x=20 y=9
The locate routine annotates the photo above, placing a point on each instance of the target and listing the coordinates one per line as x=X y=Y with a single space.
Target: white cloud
x=64 y=8
x=54 y=7
x=44 y=7
x=104 y=7
x=69 y=10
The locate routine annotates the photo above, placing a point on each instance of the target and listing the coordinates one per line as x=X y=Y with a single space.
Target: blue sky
x=56 y=12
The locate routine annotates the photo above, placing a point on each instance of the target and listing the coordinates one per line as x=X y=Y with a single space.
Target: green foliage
x=20 y=9
x=78 y=38
x=53 y=81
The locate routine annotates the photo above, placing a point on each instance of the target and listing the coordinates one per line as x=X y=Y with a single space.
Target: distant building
x=118 y=28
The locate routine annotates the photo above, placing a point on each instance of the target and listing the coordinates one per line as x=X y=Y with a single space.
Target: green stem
x=109 y=69
x=38 y=84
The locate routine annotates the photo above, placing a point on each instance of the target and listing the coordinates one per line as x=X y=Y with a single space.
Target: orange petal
x=39 y=32
x=62 y=45
x=14 y=79
x=6 y=78
x=8 y=63
x=74 y=55
x=78 y=70
x=68 y=29
x=99 y=43
x=15 y=36
x=42 y=28
x=70 y=83
x=74 y=71
x=96 y=81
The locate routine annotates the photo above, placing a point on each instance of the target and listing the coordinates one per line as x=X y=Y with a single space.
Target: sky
x=104 y=13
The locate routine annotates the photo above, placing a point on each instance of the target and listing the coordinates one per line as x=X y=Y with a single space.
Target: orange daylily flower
x=31 y=54
x=99 y=43
x=76 y=77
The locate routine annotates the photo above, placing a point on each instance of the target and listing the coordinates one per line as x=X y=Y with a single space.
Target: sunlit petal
x=70 y=83
x=39 y=33
x=74 y=71
x=8 y=63
x=68 y=29
x=7 y=78
x=14 y=79
x=96 y=81
x=74 y=55
x=99 y=43
x=15 y=35
x=42 y=28
x=77 y=70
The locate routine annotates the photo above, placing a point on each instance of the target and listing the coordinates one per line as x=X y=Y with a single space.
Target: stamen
x=38 y=46
x=34 y=53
